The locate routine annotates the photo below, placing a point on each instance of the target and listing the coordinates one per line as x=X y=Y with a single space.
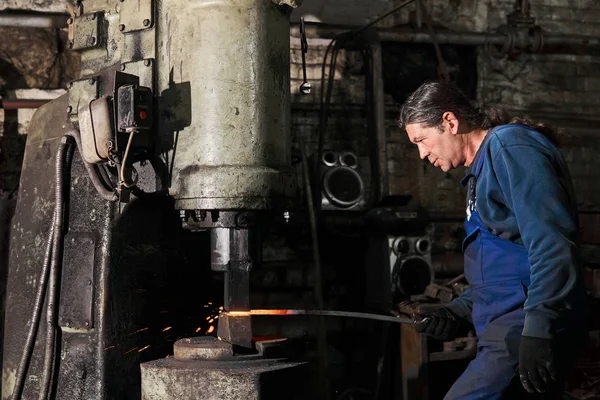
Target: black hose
x=104 y=175
x=57 y=241
x=35 y=319
x=100 y=187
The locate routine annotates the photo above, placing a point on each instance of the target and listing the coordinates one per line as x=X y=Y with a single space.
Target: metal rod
x=24 y=20
x=329 y=313
x=22 y=103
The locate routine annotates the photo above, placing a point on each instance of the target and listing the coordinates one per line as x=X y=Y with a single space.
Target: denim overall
x=498 y=272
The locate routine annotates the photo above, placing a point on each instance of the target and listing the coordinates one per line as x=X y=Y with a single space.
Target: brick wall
x=560 y=89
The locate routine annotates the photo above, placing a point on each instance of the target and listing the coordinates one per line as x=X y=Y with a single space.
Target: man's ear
x=449 y=120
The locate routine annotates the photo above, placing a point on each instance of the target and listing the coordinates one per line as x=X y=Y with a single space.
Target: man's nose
x=423 y=153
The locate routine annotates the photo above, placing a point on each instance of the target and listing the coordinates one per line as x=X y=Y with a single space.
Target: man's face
x=443 y=147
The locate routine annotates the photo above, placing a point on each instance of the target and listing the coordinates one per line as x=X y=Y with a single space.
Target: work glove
x=537 y=369
x=442 y=324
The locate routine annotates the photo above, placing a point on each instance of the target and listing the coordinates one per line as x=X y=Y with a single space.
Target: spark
x=138 y=331
x=210 y=321
x=167 y=328
x=221 y=308
x=129 y=351
x=143 y=348
x=216 y=317
x=218 y=337
x=109 y=347
x=168 y=355
x=210 y=303
x=210 y=329
x=207 y=318
x=198 y=329
x=206 y=306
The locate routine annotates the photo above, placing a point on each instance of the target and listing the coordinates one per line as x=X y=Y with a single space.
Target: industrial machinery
x=180 y=118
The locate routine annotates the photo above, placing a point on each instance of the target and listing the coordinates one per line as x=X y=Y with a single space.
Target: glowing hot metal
x=329 y=313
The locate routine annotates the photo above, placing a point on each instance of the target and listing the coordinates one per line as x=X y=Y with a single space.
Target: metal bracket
x=135 y=15
x=77 y=285
x=86 y=31
x=142 y=69
x=81 y=93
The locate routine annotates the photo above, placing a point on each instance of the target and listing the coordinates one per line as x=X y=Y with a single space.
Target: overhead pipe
x=22 y=103
x=34 y=20
x=508 y=39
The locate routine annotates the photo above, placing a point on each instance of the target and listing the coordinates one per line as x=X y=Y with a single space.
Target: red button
x=143 y=115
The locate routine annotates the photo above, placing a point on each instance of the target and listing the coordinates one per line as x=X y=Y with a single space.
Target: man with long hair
x=522 y=262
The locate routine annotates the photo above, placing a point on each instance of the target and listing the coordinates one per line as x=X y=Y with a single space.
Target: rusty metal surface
x=202 y=348
x=76 y=300
x=236 y=329
x=113 y=47
x=135 y=15
x=86 y=31
x=238 y=377
x=81 y=93
x=227 y=64
x=137 y=272
x=143 y=69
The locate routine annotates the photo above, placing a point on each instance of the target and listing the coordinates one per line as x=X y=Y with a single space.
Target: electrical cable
x=55 y=266
x=35 y=318
x=103 y=173
x=442 y=68
x=99 y=185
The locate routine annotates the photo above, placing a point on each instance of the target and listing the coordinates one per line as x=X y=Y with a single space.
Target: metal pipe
x=457 y=38
x=55 y=264
x=571 y=40
x=24 y=20
x=22 y=103
x=408 y=35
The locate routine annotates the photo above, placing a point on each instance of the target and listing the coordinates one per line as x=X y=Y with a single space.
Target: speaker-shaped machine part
x=410 y=264
x=343 y=181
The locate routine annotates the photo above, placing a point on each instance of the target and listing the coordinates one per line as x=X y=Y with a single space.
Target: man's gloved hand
x=442 y=325
x=537 y=369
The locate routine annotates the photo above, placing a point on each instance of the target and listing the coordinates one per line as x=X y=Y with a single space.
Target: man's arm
x=462 y=306
x=536 y=189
